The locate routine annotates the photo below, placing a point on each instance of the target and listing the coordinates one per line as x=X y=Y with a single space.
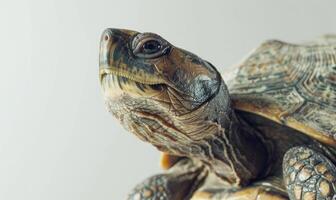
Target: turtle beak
x=105 y=48
x=110 y=38
x=106 y=42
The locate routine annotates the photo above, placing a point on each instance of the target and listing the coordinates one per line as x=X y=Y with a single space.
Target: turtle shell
x=291 y=84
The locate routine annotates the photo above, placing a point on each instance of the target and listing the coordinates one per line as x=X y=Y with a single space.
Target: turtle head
x=158 y=91
x=145 y=64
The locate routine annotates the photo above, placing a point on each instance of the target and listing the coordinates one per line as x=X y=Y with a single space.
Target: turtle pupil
x=151 y=46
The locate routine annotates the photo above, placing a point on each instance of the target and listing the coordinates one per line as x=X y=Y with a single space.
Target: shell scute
x=291 y=84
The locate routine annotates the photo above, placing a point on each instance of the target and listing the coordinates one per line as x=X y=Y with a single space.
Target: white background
x=57 y=141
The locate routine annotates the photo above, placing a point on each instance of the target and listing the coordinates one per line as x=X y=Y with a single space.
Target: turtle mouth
x=141 y=77
x=121 y=81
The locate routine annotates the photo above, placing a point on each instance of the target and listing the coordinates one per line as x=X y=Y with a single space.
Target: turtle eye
x=149 y=46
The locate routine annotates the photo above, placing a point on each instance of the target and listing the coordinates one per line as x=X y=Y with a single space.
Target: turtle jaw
x=114 y=84
x=139 y=78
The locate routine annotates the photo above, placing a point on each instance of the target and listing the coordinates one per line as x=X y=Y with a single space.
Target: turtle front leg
x=178 y=183
x=309 y=175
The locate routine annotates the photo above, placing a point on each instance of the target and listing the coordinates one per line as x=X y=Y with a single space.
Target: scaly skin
x=179 y=103
x=309 y=175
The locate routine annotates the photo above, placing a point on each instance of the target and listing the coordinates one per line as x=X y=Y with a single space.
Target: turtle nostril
x=106 y=37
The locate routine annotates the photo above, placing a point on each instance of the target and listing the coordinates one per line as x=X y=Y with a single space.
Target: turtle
x=266 y=132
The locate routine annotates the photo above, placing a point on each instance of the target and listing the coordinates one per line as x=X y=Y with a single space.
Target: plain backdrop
x=57 y=141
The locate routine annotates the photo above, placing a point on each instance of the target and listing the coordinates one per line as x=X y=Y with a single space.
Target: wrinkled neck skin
x=211 y=134
x=233 y=151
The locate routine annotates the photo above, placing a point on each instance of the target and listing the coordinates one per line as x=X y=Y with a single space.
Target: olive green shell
x=294 y=85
